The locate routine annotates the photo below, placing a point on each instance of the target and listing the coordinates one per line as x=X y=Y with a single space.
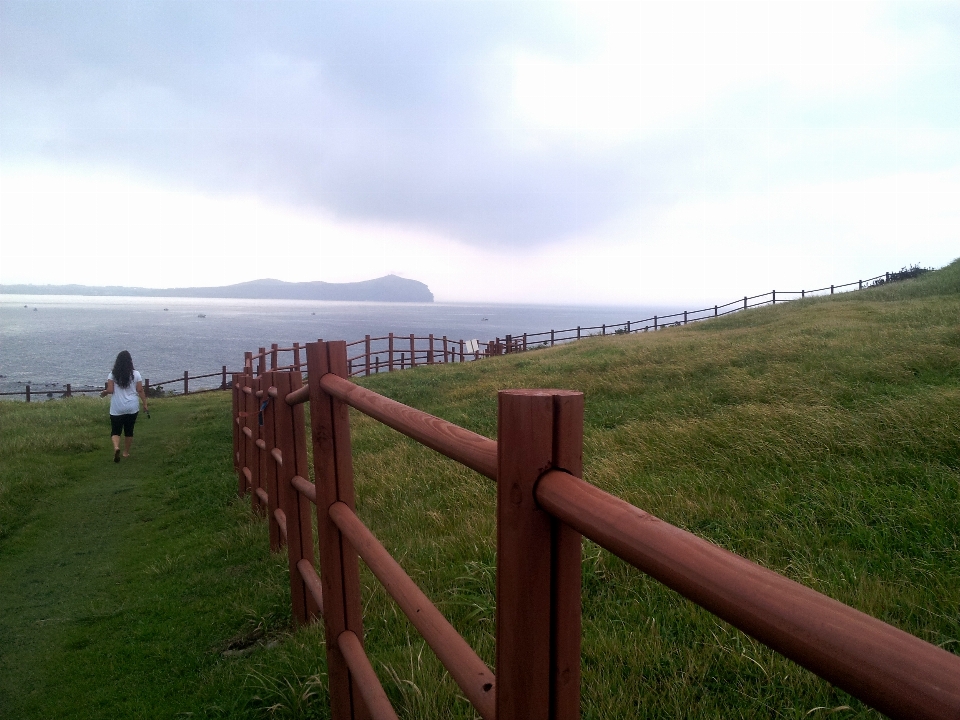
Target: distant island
x=390 y=288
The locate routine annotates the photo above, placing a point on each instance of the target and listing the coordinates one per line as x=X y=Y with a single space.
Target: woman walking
x=124 y=385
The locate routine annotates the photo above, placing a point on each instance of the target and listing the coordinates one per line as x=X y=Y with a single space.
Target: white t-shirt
x=125 y=401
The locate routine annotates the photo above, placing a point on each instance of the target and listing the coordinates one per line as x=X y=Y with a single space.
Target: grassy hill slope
x=818 y=438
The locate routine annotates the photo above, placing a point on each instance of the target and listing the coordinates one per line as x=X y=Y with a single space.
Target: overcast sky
x=621 y=152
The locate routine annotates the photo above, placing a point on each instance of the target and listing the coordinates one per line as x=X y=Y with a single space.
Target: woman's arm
x=142 y=395
x=108 y=390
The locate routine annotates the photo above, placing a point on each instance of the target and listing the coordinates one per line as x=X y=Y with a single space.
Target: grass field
x=819 y=438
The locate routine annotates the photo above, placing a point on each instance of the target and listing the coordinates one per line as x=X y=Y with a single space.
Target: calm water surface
x=50 y=340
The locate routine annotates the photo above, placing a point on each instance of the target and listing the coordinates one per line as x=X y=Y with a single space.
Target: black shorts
x=124 y=422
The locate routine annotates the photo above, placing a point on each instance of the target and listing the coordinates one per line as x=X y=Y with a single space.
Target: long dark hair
x=123 y=369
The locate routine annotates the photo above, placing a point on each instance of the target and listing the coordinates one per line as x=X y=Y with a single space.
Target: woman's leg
x=116 y=426
x=128 y=423
x=127 y=442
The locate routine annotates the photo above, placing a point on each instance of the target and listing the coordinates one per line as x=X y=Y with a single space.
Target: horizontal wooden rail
x=311 y=581
x=473 y=450
x=305 y=487
x=376 y=700
x=464 y=665
x=893 y=671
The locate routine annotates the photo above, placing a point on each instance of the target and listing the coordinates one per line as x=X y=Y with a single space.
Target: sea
x=47 y=341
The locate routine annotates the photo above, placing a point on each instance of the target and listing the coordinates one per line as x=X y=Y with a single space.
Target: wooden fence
x=543 y=510
x=69 y=391
x=391 y=352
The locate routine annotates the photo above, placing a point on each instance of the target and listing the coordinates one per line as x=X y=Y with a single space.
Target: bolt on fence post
x=339 y=565
x=291 y=440
x=538 y=559
x=269 y=464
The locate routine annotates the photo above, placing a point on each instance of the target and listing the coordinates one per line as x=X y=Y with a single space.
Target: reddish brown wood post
x=538 y=559
x=445 y=357
x=578 y=332
x=339 y=566
x=261 y=360
x=28 y=393
x=430 y=351
x=508 y=341
x=292 y=443
x=390 y=350
x=366 y=346
x=296 y=357
x=251 y=465
x=403 y=359
x=273 y=356
x=248 y=362
x=223 y=378
x=70 y=391
x=551 y=338
x=628 y=327
x=461 y=350
x=238 y=436
x=268 y=433
x=186 y=386
x=260 y=456
x=654 y=322
x=413 y=351
x=524 y=342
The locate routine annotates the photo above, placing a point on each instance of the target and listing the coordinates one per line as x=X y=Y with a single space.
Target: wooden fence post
x=339 y=565
x=296 y=357
x=744 y=302
x=366 y=355
x=461 y=350
x=413 y=351
x=70 y=391
x=238 y=436
x=538 y=559
x=390 y=351
x=248 y=362
x=714 y=310
x=259 y=454
x=223 y=378
x=654 y=322
x=273 y=356
x=774 y=297
x=831 y=289
x=803 y=294
x=249 y=428
x=261 y=360
x=860 y=285
x=551 y=337
x=186 y=380
x=269 y=465
x=290 y=439
x=430 y=351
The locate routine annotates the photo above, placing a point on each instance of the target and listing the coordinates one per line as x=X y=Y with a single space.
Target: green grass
x=819 y=438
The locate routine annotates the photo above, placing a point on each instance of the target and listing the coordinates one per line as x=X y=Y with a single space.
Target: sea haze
x=48 y=340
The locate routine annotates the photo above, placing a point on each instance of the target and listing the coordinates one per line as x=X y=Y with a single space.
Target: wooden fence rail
x=543 y=510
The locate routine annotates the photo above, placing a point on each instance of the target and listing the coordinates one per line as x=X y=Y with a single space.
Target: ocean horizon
x=47 y=341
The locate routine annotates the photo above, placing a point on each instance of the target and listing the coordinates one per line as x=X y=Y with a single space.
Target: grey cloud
x=369 y=110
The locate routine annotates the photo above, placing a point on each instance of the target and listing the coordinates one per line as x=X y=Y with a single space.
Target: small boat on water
x=201 y=315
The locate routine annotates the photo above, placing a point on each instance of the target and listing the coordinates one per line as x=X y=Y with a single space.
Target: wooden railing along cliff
x=543 y=510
